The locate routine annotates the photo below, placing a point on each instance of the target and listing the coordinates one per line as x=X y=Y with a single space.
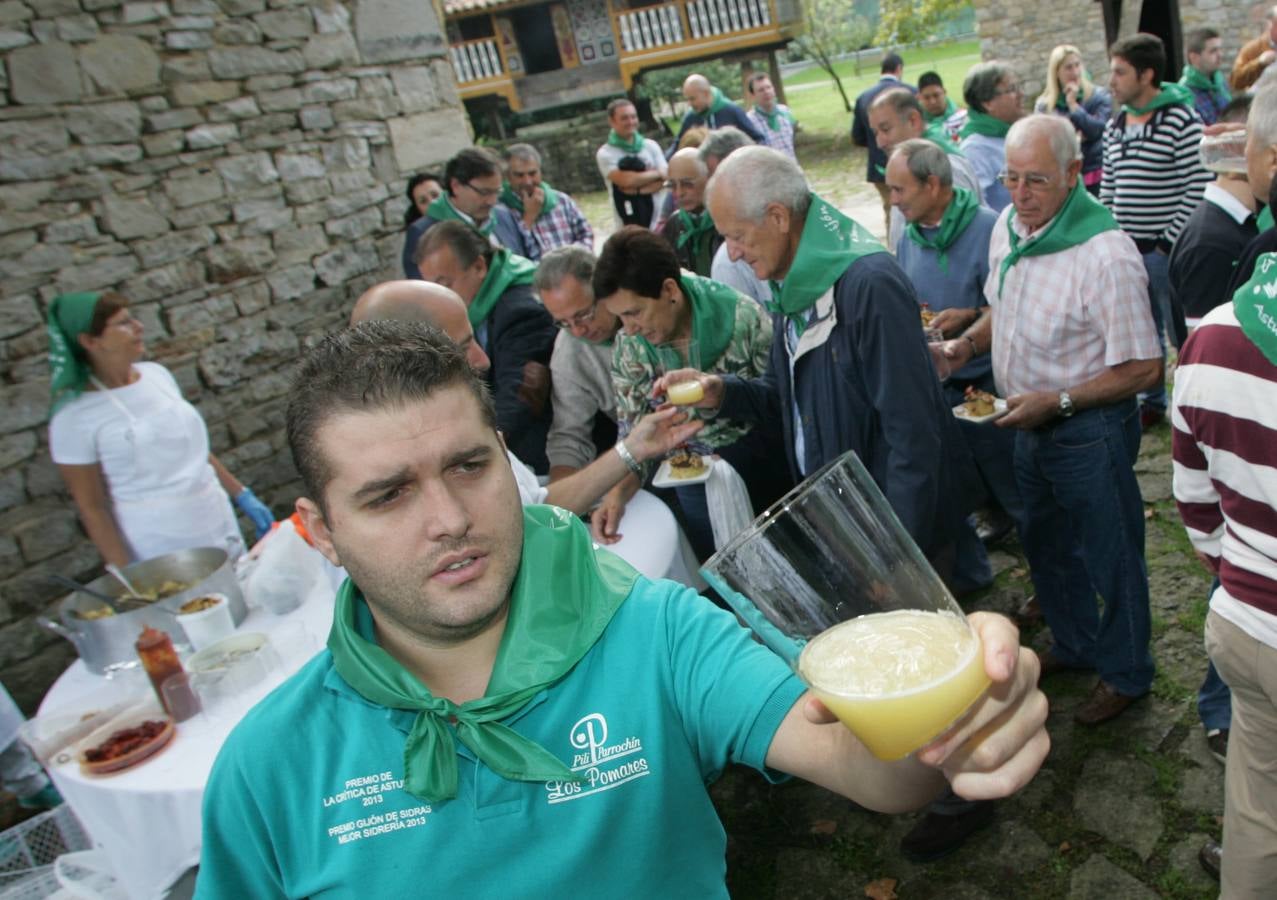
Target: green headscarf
x=504 y=270
x=1081 y=218
x=511 y=198
x=949 y=109
x=713 y=308
x=698 y=229
x=957 y=216
x=442 y=210
x=70 y=316
x=562 y=600
x=1191 y=78
x=1170 y=95
x=985 y=124
x=1255 y=305
x=829 y=244
x=1265 y=220
x=633 y=145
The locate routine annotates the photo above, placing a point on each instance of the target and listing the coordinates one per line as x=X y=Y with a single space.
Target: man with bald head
x=1073 y=341
x=690 y=231
x=651 y=438
x=711 y=109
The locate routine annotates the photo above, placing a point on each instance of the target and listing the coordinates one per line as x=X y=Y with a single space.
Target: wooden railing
x=695 y=20
x=476 y=60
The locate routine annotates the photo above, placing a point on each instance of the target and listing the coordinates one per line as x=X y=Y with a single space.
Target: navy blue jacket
x=864 y=381
x=862 y=135
x=1092 y=114
x=731 y=114
x=505 y=226
x=517 y=332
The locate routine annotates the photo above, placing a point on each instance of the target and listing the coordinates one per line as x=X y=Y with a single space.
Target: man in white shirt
x=633 y=168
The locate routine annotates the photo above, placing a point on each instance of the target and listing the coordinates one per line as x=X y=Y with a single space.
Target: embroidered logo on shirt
x=600 y=766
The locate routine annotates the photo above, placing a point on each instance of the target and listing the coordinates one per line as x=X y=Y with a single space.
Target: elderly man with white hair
x=1073 y=342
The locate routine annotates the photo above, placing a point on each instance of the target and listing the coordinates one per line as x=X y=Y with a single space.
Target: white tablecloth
x=653 y=543
x=147 y=819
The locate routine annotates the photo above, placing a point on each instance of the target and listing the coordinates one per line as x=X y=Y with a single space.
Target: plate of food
x=980 y=406
x=683 y=467
x=128 y=745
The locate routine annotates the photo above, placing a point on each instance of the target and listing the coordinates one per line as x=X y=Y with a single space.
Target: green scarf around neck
x=775 y=116
x=70 y=316
x=633 y=145
x=713 y=307
x=937 y=134
x=504 y=270
x=562 y=600
x=985 y=124
x=1255 y=305
x=698 y=230
x=1193 y=79
x=1171 y=94
x=1081 y=218
x=949 y=109
x=957 y=216
x=830 y=242
x=1265 y=219
x=442 y=210
x=717 y=102
x=511 y=198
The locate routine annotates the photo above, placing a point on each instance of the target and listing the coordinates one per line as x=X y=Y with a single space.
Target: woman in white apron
x=133 y=453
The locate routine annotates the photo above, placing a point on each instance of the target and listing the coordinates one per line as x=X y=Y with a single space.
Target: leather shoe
x=1211 y=856
x=937 y=835
x=1029 y=613
x=1103 y=704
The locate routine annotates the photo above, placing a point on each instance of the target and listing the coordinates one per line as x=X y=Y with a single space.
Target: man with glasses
x=690 y=231
x=1153 y=177
x=1073 y=341
x=994 y=101
x=472 y=192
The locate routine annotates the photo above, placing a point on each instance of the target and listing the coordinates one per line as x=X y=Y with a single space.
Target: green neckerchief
x=1215 y=84
x=1170 y=95
x=773 y=118
x=717 y=102
x=1265 y=220
x=1061 y=102
x=937 y=134
x=504 y=270
x=1255 y=305
x=713 y=322
x=442 y=210
x=985 y=124
x=698 y=229
x=562 y=601
x=829 y=244
x=70 y=316
x=957 y=216
x=510 y=197
x=949 y=109
x=1081 y=218
x=633 y=145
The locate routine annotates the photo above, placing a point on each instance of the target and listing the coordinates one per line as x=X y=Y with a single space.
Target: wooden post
x=773 y=67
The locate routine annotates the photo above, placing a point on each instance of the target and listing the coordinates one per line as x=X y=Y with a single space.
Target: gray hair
x=981 y=84
x=925 y=159
x=523 y=151
x=722 y=142
x=1059 y=132
x=1262 y=120
x=561 y=262
x=901 y=100
x=762 y=176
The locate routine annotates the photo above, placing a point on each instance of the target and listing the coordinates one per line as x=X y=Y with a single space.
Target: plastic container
x=1224 y=153
x=205 y=627
x=29 y=850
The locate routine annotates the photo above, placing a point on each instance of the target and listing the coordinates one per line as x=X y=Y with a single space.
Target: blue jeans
x=1158 y=265
x=1214 y=700
x=1084 y=535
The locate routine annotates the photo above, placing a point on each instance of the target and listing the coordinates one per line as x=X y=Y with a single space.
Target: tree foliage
x=911 y=21
x=831 y=31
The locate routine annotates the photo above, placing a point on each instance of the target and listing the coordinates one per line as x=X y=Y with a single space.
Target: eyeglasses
x=1034 y=181
x=485 y=193
x=576 y=320
x=1009 y=89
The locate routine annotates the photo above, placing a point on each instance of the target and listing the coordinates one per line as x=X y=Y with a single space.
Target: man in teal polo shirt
x=505 y=710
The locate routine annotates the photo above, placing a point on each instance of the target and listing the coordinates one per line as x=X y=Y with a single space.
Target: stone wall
x=1023 y=34
x=236 y=168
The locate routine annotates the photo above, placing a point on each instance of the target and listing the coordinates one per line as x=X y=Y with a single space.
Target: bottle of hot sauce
x=155 y=649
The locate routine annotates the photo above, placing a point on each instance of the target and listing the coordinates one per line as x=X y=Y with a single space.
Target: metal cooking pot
x=107 y=644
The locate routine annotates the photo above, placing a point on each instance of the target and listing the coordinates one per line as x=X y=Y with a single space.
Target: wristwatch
x=1066 y=407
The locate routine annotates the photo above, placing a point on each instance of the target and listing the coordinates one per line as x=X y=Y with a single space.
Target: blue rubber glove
x=258 y=512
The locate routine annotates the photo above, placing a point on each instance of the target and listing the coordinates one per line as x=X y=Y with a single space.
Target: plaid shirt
x=782 y=140
x=563 y=225
x=1066 y=317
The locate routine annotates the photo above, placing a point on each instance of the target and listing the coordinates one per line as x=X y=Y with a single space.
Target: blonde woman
x=1070 y=93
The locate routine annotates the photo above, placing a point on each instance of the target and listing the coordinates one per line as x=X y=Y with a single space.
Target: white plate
x=999 y=410
x=664 y=479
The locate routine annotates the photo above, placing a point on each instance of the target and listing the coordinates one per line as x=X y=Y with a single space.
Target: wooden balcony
x=480 y=69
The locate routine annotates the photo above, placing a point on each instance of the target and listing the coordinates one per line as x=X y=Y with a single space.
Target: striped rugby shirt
x=1153 y=178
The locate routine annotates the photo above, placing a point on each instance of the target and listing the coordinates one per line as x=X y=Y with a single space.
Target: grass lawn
x=814 y=99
